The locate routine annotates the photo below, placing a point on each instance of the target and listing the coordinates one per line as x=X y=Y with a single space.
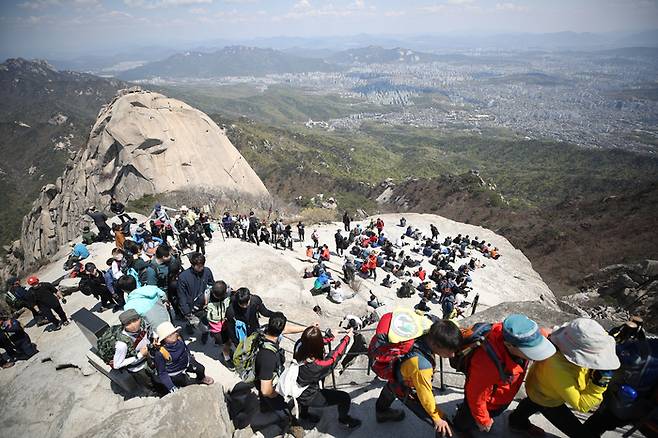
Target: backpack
x=288 y=387
x=639 y=370
x=474 y=338
x=244 y=357
x=394 y=339
x=105 y=345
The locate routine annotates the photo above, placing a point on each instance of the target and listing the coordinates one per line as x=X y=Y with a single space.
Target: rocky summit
x=142 y=143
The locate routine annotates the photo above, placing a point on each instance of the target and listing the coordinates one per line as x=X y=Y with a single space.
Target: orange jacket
x=325 y=254
x=372 y=262
x=485 y=390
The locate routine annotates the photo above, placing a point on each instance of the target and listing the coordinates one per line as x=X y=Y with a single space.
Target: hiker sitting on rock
x=495 y=370
x=88 y=236
x=315 y=366
x=410 y=379
x=78 y=252
x=173 y=361
x=19 y=297
x=130 y=347
x=15 y=341
x=337 y=294
x=576 y=376
x=92 y=282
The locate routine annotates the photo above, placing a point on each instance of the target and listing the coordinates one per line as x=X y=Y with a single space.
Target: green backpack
x=244 y=357
x=105 y=346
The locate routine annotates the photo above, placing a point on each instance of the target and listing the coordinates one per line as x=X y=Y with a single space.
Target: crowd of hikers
x=578 y=366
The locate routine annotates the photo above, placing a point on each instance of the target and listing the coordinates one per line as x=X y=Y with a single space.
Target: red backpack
x=383 y=354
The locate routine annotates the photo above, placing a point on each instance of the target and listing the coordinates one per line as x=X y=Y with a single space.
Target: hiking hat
x=33 y=280
x=128 y=316
x=165 y=329
x=585 y=343
x=12 y=281
x=523 y=333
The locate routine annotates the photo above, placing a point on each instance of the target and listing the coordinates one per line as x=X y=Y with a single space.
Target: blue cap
x=523 y=333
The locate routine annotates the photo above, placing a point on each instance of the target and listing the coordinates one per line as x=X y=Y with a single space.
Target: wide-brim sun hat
x=165 y=329
x=585 y=343
x=524 y=334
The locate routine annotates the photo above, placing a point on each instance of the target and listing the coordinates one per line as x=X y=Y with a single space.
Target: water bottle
x=627 y=395
x=623 y=400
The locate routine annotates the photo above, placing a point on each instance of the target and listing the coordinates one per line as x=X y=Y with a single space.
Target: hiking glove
x=602 y=377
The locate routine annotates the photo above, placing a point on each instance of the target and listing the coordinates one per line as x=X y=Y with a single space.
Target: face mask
x=118 y=258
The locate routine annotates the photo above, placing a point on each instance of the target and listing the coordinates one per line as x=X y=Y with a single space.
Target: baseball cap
x=523 y=333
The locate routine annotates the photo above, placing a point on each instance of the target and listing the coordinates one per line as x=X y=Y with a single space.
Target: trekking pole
x=474 y=306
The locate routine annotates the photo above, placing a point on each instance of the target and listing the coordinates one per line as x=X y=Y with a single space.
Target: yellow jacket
x=417 y=373
x=556 y=381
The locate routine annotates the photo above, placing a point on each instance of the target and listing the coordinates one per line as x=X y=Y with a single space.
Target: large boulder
x=142 y=143
x=194 y=411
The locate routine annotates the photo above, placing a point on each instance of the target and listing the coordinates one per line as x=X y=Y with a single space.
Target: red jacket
x=421 y=275
x=371 y=262
x=485 y=389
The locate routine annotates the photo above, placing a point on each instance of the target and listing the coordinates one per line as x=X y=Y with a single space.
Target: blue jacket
x=109 y=280
x=80 y=251
x=180 y=359
x=144 y=298
x=192 y=287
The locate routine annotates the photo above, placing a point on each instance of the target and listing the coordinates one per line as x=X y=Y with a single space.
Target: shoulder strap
x=504 y=375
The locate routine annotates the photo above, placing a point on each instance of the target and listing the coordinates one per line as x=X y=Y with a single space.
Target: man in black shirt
x=242 y=315
x=269 y=365
x=100 y=219
x=47 y=298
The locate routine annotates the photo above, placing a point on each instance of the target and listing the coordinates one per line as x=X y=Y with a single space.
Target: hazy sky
x=43 y=27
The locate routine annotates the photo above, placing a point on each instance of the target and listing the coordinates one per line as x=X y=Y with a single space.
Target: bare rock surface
x=57 y=394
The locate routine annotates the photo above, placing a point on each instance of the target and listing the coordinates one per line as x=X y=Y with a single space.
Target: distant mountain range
x=229 y=61
x=380 y=55
x=45 y=115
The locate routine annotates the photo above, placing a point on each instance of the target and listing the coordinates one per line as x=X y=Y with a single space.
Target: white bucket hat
x=165 y=329
x=585 y=343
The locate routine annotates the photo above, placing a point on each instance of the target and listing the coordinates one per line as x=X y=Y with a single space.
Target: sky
x=51 y=28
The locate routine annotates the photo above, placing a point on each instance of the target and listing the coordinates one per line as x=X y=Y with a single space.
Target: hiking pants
x=388 y=396
x=181 y=380
x=201 y=247
x=47 y=312
x=8 y=346
x=123 y=217
x=328 y=397
x=560 y=416
x=104 y=234
x=464 y=421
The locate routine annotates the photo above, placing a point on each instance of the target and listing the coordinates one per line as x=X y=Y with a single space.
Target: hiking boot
x=350 y=422
x=204 y=337
x=67 y=322
x=207 y=380
x=8 y=365
x=56 y=327
x=390 y=415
